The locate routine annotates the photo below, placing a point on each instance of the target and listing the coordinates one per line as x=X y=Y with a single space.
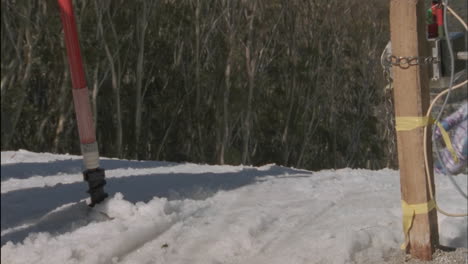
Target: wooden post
x=411 y=94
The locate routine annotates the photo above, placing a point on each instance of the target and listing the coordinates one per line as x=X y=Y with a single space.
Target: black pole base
x=96 y=182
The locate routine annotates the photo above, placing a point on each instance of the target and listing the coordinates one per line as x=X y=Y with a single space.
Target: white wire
x=426 y=161
x=452 y=73
x=458 y=17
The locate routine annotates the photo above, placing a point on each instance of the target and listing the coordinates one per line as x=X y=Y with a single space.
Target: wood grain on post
x=411 y=94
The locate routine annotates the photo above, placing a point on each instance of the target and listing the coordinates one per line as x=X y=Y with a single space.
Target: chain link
x=406 y=62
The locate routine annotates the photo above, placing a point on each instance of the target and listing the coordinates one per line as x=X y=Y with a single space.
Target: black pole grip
x=96 y=182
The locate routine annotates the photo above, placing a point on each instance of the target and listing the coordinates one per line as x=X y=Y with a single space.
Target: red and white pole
x=89 y=148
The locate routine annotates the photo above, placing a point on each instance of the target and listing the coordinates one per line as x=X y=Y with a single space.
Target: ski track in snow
x=186 y=213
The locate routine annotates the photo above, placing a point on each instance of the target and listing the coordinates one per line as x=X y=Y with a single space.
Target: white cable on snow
x=452 y=73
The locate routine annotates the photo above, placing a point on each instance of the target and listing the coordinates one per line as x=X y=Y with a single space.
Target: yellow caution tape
x=406 y=123
x=448 y=142
x=409 y=211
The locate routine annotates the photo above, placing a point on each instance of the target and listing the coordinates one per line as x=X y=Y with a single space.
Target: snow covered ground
x=161 y=212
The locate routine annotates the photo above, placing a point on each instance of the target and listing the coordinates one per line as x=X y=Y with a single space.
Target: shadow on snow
x=29 y=169
x=35 y=205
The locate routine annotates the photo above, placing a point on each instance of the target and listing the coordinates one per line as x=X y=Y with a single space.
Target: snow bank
x=186 y=213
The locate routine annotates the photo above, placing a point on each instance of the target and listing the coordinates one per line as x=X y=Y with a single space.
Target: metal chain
x=408 y=61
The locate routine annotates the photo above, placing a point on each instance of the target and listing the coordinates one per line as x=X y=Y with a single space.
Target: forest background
x=294 y=82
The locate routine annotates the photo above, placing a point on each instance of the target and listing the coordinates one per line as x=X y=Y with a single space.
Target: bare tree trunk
x=63 y=105
x=198 y=95
x=229 y=9
x=97 y=83
x=334 y=110
x=250 y=61
x=9 y=71
x=312 y=125
x=115 y=79
x=292 y=70
x=169 y=129
x=142 y=25
x=95 y=94
x=227 y=89
x=197 y=56
x=28 y=51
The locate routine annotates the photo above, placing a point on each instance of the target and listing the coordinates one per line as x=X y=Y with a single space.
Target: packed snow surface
x=161 y=212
